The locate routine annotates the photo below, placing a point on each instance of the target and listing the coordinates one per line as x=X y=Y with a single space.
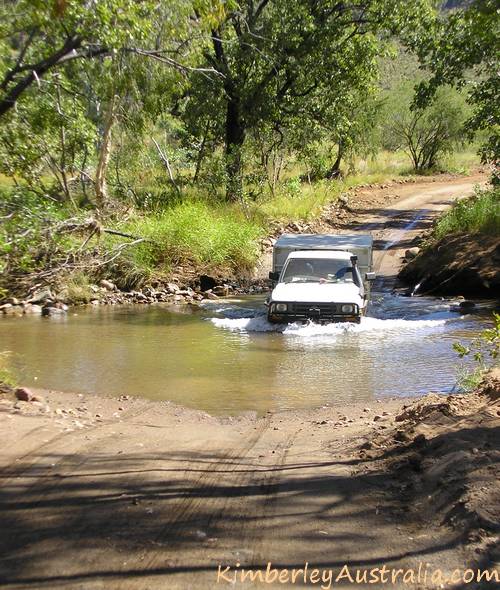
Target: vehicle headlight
x=281 y=307
x=348 y=309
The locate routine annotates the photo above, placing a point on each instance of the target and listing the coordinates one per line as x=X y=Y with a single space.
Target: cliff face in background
x=459 y=264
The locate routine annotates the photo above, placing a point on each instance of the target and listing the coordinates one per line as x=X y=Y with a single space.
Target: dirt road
x=130 y=494
x=397 y=213
x=151 y=496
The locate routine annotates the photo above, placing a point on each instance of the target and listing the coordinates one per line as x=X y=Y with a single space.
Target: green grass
x=461 y=162
x=194 y=232
x=479 y=214
x=78 y=288
x=304 y=202
x=295 y=201
x=7 y=378
x=200 y=228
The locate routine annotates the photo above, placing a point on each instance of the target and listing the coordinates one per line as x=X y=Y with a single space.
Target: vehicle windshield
x=317 y=270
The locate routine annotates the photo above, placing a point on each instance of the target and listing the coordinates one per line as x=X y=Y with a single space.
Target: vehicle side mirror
x=370 y=276
x=274 y=276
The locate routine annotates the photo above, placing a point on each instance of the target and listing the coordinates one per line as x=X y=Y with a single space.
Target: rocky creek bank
x=455 y=265
x=49 y=302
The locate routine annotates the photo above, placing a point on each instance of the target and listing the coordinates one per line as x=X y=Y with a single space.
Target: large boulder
x=41 y=296
x=32 y=309
x=108 y=285
x=24 y=394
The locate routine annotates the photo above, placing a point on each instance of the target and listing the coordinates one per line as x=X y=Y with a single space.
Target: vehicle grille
x=316 y=310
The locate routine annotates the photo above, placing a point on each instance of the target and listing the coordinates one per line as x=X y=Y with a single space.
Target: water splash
x=368 y=324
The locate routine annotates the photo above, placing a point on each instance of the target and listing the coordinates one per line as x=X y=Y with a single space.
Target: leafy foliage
x=484 y=348
x=143 y=116
x=426 y=134
x=468 y=39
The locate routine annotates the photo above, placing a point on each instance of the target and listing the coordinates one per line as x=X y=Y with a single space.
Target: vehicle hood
x=317 y=293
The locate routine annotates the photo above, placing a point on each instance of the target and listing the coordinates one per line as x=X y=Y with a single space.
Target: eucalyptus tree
x=70 y=69
x=272 y=55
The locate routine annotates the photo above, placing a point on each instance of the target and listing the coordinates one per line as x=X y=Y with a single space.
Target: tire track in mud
x=188 y=506
x=43 y=489
x=270 y=488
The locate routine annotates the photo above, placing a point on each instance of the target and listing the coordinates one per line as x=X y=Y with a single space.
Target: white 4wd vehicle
x=323 y=278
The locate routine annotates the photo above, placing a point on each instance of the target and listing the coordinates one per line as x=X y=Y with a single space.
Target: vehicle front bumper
x=290 y=318
x=324 y=313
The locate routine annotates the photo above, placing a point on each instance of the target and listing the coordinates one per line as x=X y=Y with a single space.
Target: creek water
x=225 y=358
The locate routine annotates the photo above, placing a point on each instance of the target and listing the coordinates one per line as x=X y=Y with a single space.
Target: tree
x=424 y=133
x=273 y=54
x=463 y=50
x=70 y=70
x=39 y=37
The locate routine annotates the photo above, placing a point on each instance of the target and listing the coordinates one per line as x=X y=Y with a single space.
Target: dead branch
x=164 y=159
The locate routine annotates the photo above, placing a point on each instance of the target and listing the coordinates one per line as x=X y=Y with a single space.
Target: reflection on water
x=226 y=358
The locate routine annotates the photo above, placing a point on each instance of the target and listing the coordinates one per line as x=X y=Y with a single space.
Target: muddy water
x=226 y=358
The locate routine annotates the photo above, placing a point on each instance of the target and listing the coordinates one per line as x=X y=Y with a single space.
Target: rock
x=172 y=288
x=52 y=310
x=377 y=418
x=38 y=398
x=466 y=305
x=12 y=301
x=412 y=253
x=23 y=394
x=420 y=440
x=221 y=290
x=10 y=309
x=108 y=285
x=41 y=296
x=402 y=436
x=207 y=283
x=32 y=309
x=210 y=295
x=5 y=307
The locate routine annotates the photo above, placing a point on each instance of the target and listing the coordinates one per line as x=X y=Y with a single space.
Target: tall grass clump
x=479 y=214
x=296 y=201
x=7 y=379
x=194 y=232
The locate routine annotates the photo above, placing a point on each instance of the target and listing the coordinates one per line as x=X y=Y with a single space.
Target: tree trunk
x=334 y=171
x=235 y=137
x=101 y=187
